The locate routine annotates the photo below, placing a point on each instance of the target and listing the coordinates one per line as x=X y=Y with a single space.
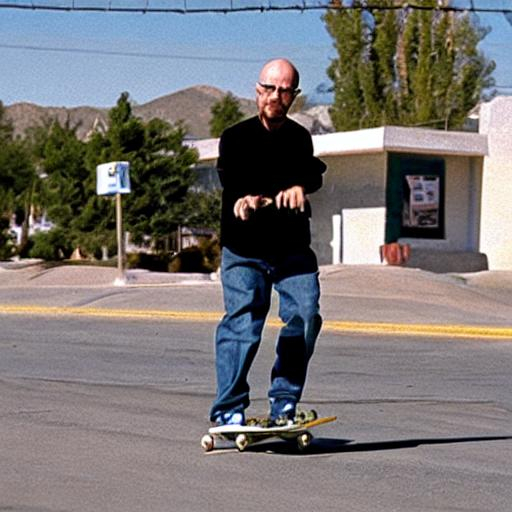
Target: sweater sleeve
x=312 y=179
x=232 y=181
x=311 y=168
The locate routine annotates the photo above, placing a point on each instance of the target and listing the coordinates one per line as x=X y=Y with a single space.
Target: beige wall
x=496 y=226
x=463 y=191
x=359 y=181
x=351 y=181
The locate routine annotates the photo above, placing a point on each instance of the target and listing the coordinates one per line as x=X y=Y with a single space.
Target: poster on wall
x=421 y=201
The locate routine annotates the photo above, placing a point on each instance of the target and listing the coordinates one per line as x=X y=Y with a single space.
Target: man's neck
x=272 y=125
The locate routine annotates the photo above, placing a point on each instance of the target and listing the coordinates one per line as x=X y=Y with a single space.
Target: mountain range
x=192 y=106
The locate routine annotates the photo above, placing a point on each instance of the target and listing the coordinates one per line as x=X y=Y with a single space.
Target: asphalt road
x=106 y=413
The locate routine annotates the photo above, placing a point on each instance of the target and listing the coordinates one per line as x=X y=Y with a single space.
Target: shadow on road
x=322 y=446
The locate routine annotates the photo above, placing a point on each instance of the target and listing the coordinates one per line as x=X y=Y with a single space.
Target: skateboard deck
x=245 y=435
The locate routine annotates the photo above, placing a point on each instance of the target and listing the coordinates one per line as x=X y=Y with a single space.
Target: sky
x=172 y=52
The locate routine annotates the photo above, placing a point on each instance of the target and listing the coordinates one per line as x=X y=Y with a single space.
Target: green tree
x=202 y=209
x=67 y=182
x=62 y=183
x=17 y=179
x=346 y=29
x=225 y=113
x=160 y=174
x=405 y=66
x=6 y=129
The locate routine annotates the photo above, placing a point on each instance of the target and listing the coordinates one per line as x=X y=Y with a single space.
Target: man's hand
x=244 y=205
x=293 y=198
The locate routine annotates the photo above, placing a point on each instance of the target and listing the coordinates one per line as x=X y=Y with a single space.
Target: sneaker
x=230 y=418
x=282 y=411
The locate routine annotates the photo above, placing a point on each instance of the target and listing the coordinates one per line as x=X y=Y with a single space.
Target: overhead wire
x=118 y=53
x=232 y=8
x=146 y=6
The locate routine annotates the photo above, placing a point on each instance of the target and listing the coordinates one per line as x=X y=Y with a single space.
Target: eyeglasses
x=282 y=91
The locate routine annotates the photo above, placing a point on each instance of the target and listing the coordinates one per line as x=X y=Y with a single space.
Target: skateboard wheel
x=304 y=440
x=241 y=442
x=207 y=442
x=304 y=416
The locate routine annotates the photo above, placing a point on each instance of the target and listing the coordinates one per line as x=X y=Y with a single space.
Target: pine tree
x=405 y=66
x=385 y=47
x=6 y=129
x=345 y=27
x=225 y=113
x=160 y=175
x=17 y=181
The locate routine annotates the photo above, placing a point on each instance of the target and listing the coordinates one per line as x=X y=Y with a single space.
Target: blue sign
x=113 y=178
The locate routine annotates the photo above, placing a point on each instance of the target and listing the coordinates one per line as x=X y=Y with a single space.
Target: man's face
x=275 y=93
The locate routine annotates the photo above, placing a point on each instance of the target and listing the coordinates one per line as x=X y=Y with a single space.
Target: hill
x=192 y=106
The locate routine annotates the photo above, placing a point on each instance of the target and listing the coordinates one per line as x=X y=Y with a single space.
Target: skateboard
x=245 y=435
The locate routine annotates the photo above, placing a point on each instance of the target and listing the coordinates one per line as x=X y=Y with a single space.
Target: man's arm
x=308 y=179
x=312 y=178
x=312 y=167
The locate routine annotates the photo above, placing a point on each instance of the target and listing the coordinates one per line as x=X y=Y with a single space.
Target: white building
x=445 y=193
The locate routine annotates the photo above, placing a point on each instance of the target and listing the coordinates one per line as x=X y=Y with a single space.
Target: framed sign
x=415 y=197
x=113 y=178
x=420 y=204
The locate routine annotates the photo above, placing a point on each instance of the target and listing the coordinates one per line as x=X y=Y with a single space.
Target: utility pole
x=113 y=179
x=121 y=277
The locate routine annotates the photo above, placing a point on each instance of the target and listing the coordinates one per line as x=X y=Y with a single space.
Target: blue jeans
x=247 y=286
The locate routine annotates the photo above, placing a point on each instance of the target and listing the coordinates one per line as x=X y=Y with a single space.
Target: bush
x=53 y=245
x=212 y=254
x=188 y=260
x=204 y=257
x=153 y=262
x=7 y=245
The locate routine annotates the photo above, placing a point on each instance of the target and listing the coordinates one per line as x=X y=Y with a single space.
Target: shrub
x=154 y=262
x=7 y=245
x=204 y=257
x=53 y=245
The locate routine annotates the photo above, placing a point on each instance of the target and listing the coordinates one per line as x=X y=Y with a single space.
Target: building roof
x=376 y=140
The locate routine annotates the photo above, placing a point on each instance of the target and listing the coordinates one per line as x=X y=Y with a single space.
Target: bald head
x=275 y=91
x=280 y=69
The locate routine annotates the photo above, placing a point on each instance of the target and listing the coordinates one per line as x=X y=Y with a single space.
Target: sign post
x=120 y=242
x=113 y=178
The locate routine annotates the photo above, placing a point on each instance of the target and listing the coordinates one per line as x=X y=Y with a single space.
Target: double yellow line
x=380 y=328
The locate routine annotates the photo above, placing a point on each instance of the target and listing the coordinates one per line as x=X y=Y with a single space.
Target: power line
x=226 y=7
x=117 y=53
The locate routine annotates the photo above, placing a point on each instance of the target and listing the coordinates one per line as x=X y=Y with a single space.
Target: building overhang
x=401 y=140
x=378 y=140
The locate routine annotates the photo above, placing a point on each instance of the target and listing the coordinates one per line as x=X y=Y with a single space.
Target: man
x=266 y=167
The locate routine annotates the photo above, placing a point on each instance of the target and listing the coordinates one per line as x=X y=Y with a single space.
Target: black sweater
x=256 y=161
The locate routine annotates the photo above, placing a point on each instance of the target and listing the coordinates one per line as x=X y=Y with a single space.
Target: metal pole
x=120 y=241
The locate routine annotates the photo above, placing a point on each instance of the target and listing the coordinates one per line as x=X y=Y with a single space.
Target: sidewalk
x=33 y=271
x=363 y=280
x=33 y=274
x=354 y=297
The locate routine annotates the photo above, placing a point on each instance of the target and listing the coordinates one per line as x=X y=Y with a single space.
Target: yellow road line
x=205 y=316
x=438 y=330
x=381 y=328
